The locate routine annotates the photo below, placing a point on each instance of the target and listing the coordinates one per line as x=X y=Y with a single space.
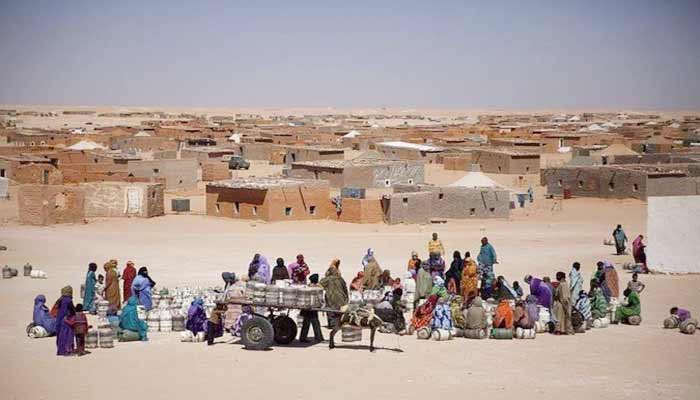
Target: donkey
x=364 y=318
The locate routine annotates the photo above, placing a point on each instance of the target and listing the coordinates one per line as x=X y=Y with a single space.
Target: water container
x=105 y=336
x=102 y=307
x=199 y=337
x=37 y=274
x=689 y=326
x=601 y=323
x=351 y=333
x=178 y=323
x=129 y=336
x=423 y=333
x=457 y=332
x=186 y=336
x=475 y=333
x=501 y=333
x=521 y=333
x=166 y=321
x=671 y=322
x=141 y=312
x=540 y=327
x=634 y=320
x=544 y=315
x=27 y=269
x=441 y=334
x=153 y=321
x=6 y=273
x=38 y=332
x=91 y=339
x=273 y=295
x=289 y=296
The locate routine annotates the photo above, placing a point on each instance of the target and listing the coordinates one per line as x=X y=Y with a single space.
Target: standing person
x=128 y=276
x=435 y=245
x=196 y=317
x=366 y=258
x=311 y=318
x=437 y=265
x=215 y=324
x=454 y=274
x=635 y=284
x=470 y=279
x=562 y=306
x=372 y=275
x=90 y=282
x=112 y=292
x=142 y=286
x=259 y=269
x=620 y=239
x=129 y=319
x=486 y=259
x=639 y=253
x=424 y=284
x=65 y=337
x=414 y=263
x=576 y=281
x=280 y=273
x=80 y=328
x=336 y=290
x=299 y=270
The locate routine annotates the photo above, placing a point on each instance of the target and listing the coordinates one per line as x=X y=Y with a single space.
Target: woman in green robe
x=633 y=307
x=599 y=306
x=129 y=319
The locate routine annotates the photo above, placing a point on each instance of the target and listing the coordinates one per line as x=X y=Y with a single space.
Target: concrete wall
x=407 y=208
x=616 y=183
x=673 y=233
x=396 y=173
x=178 y=174
x=50 y=204
x=112 y=199
x=462 y=203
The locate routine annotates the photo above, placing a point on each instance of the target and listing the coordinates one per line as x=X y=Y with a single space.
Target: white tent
x=476 y=179
x=142 y=134
x=236 y=138
x=352 y=134
x=86 y=145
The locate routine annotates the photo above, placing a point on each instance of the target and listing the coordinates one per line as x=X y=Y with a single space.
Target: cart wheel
x=285 y=329
x=257 y=334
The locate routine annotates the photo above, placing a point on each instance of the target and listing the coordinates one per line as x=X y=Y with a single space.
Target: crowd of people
x=440 y=297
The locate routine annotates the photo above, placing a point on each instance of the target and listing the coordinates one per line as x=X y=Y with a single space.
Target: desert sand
x=620 y=361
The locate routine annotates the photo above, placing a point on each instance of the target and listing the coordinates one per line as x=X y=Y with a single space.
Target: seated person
x=521 y=317
x=504 y=316
x=682 y=314
x=475 y=315
x=631 y=309
x=599 y=306
x=196 y=317
x=42 y=317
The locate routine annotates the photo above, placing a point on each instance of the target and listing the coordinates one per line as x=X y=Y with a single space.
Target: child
x=215 y=324
x=680 y=313
x=100 y=288
x=635 y=285
x=518 y=290
x=311 y=318
x=80 y=327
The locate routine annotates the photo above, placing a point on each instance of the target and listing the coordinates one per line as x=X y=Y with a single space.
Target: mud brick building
x=270 y=199
x=506 y=162
x=361 y=173
x=215 y=171
x=30 y=170
x=50 y=204
x=361 y=211
x=178 y=174
x=409 y=151
x=308 y=153
x=623 y=181
x=454 y=202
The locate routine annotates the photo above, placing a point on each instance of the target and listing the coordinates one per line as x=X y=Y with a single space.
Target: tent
x=352 y=134
x=86 y=145
x=142 y=134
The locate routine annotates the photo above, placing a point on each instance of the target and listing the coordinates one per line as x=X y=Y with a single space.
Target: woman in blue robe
x=141 y=288
x=42 y=317
x=89 y=295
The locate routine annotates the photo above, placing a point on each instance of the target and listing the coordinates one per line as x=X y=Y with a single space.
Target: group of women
x=135 y=283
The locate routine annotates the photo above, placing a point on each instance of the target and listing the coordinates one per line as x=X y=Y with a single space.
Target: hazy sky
x=437 y=54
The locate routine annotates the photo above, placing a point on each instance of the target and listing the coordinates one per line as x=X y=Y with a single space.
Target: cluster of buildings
x=368 y=168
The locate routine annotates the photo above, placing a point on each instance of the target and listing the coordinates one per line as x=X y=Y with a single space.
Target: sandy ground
x=621 y=361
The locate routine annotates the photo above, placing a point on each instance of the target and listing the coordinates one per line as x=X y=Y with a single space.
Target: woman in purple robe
x=65 y=338
x=540 y=290
x=196 y=317
x=42 y=317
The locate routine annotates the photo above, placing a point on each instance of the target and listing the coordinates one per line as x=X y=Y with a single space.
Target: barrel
x=671 y=322
x=273 y=295
x=38 y=332
x=317 y=299
x=166 y=321
x=501 y=333
x=289 y=296
x=457 y=332
x=186 y=336
x=178 y=323
x=351 y=333
x=521 y=333
x=105 y=336
x=129 y=336
x=689 y=326
x=153 y=321
x=543 y=313
x=423 y=333
x=102 y=307
x=601 y=322
x=304 y=299
x=91 y=339
x=27 y=269
x=372 y=296
x=634 y=320
x=475 y=333
x=441 y=334
x=540 y=327
x=6 y=274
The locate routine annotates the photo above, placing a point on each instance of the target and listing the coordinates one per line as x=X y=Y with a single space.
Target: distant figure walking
x=620 y=239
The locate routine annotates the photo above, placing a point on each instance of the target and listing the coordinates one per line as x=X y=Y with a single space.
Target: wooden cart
x=260 y=332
